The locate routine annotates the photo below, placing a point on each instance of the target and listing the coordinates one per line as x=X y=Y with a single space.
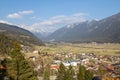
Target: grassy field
x=100 y=49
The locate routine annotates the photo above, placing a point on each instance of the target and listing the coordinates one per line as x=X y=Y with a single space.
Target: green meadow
x=96 y=48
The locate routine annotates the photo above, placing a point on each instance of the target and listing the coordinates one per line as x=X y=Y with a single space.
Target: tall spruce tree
x=88 y=75
x=70 y=73
x=84 y=74
x=17 y=67
x=6 y=44
x=81 y=73
x=61 y=73
x=46 y=74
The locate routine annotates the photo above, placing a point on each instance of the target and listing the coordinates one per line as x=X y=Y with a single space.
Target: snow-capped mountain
x=105 y=30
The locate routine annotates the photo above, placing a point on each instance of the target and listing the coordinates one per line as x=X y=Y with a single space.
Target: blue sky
x=49 y=15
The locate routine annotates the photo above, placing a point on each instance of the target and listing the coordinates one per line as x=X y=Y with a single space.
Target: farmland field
x=97 y=48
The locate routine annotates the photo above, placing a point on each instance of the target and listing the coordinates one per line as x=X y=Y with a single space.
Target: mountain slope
x=105 y=30
x=19 y=34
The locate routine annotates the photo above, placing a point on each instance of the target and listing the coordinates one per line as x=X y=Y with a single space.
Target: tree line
x=16 y=67
x=70 y=74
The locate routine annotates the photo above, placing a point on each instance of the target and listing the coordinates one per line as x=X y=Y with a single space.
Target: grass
x=100 y=49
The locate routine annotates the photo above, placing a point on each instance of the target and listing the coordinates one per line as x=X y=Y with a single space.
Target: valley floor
x=101 y=59
x=96 y=48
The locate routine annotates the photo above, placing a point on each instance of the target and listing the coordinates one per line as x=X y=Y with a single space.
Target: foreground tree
x=84 y=74
x=81 y=73
x=17 y=67
x=65 y=74
x=6 y=45
x=88 y=75
x=61 y=73
x=101 y=71
x=70 y=73
x=46 y=74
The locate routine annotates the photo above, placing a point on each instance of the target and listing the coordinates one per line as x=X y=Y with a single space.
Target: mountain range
x=105 y=30
x=21 y=35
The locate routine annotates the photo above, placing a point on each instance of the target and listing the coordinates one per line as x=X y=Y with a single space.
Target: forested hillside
x=22 y=35
x=13 y=65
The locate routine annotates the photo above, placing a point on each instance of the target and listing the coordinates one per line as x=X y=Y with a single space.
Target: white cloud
x=56 y=22
x=62 y=19
x=14 y=15
x=58 y=17
x=19 y=14
x=26 y=12
x=79 y=14
x=53 y=23
x=19 y=25
x=6 y=22
x=33 y=17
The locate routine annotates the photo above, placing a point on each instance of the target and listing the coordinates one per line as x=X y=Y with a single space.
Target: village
x=107 y=67
x=104 y=66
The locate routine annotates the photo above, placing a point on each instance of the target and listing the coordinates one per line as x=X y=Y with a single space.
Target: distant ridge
x=105 y=30
x=19 y=34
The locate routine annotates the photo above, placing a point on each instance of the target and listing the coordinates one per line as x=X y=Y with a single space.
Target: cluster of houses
x=103 y=65
x=108 y=65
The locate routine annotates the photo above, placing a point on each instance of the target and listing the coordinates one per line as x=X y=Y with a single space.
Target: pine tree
x=101 y=71
x=81 y=73
x=61 y=73
x=88 y=75
x=6 y=44
x=17 y=67
x=70 y=73
x=84 y=74
x=46 y=74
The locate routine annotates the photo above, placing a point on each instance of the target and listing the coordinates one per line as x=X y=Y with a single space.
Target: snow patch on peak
x=70 y=26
